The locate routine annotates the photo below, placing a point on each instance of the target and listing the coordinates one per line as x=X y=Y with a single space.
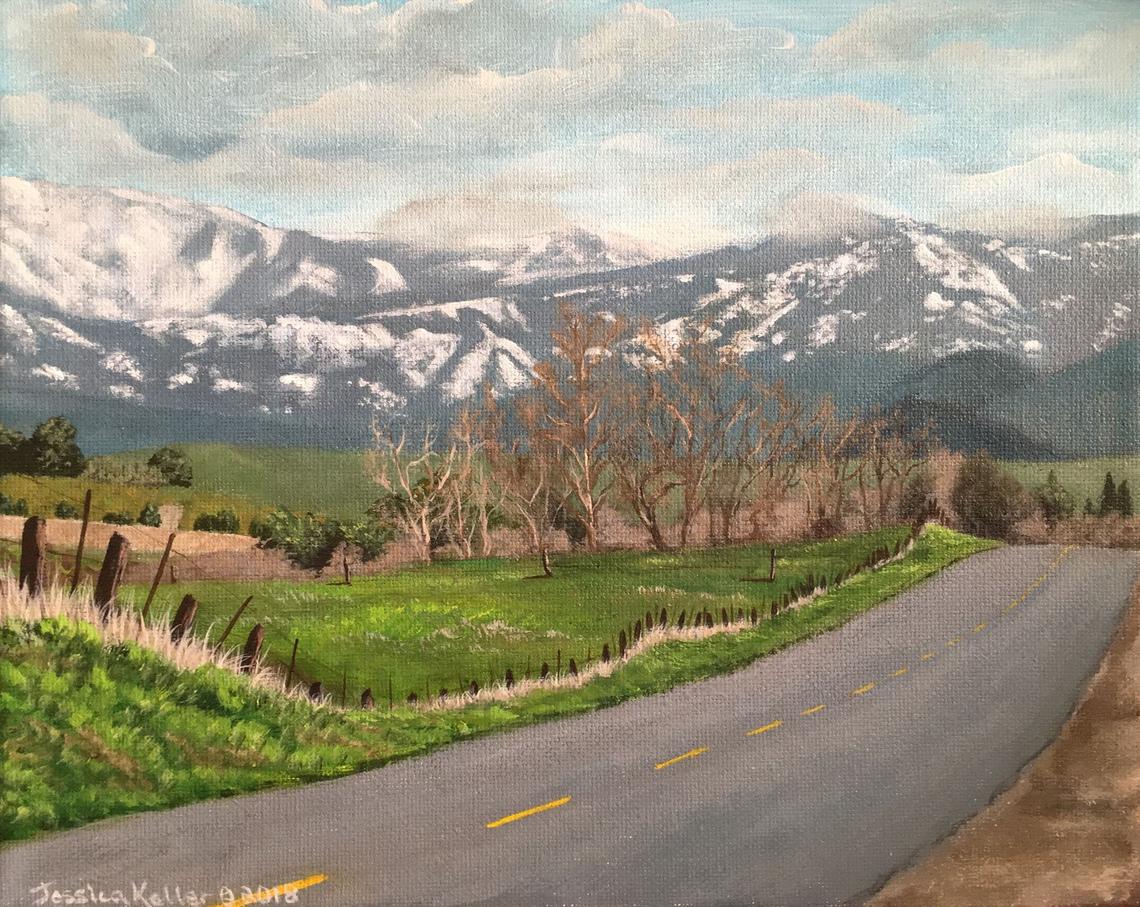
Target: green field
x=1083 y=478
x=439 y=626
x=90 y=732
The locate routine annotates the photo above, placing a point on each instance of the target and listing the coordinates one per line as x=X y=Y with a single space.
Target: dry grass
x=1068 y=832
x=125 y=625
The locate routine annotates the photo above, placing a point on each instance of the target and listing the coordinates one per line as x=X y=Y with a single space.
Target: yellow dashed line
x=771 y=726
x=866 y=688
x=900 y=672
x=813 y=709
x=953 y=642
x=689 y=755
x=265 y=895
x=980 y=627
x=926 y=656
x=514 y=817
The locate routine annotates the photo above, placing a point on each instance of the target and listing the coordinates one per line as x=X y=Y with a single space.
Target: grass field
x=90 y=732
x=442 y=625
x=1083 y=478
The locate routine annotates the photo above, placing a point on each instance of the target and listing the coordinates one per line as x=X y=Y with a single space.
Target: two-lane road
x=806 y=778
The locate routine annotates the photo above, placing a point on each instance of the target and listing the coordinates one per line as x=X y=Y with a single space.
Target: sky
x=676 y=126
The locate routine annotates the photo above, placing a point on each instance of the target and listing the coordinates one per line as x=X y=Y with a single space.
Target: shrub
x=149 y=515
x=12 y=506
x=1054 y=500
x=309 y=541
x=222 y=521
x=988 y=501
x=66 y=511
x=119 y=519
x=52 y=451
x=917 y=495
x=104 y=469
x=173 y=465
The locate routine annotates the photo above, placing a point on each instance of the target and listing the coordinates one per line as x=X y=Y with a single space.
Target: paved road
x=879 y=738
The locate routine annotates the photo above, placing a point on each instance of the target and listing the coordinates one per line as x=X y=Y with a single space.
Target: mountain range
x=149 y=318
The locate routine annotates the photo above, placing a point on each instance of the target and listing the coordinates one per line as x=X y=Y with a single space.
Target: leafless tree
x=890 y=451
x=833 y=450
x=473 y=495
x=416 y=483
x=524 y=469
x=575 y=387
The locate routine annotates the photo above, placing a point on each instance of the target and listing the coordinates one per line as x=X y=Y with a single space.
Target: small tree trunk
x=544 y=557
x=344 y=564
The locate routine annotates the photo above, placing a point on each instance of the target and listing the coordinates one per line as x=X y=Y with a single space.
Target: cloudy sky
x=681 y=124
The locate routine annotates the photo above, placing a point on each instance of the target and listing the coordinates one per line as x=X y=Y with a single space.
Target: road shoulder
x=1068 y=831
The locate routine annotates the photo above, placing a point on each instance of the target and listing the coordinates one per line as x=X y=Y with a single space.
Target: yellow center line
x=1012 y=605
x=813 y=709
x=265 y=895
x=514 y=817
x=954 y=642
x=771 y=726
x=980 y=627
x=689 y=755
x=926 y=656
x=900 y=672
x=866 y=688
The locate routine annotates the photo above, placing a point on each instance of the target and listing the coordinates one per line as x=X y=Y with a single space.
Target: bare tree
x=416 y=485
x=575 y=386
x=890 y=451
x=761 y=458
x=833 y=450
x=474 y=498
x=524 y=469
x=644 y=453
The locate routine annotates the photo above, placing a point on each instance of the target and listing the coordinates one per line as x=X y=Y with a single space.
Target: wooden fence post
x=33 y=552
x=184 y=618
x=366 y=700
x=158 y=575
x=252 y=650
x=344 y=688
x=233 y=620
x=772 y=567
x=111 y=573
x=315 y=690
x=292 y=664
x=82 y=538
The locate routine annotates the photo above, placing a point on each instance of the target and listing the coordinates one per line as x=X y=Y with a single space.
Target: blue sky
x=680 y=125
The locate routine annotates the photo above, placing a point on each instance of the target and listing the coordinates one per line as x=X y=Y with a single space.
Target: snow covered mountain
x=128 y=298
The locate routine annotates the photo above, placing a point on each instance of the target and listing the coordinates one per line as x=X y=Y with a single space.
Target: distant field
x=328 y=482
x=440 y=625
x=1083 y=478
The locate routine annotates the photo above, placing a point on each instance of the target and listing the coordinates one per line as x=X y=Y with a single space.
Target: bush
x=918 y=496
x=222 y=521
x=119 y=519
x=149 y=515
x=66 y=511
x=309 y=542
x=1054 y=500
x=51 y=450
x=173 y=465
x=12 y=506
x=103 y=469
x=988 y=501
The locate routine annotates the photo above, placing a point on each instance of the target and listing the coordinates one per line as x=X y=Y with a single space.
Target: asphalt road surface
x=805 y=779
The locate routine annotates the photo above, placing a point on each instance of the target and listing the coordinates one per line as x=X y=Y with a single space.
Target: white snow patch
x=124 y=392
x=224 y=385
x=684 y=278
x=379 y=397
x=1031 y=346
x=824 y=331
x=388 y=279
x=60 y=331
x=936 y=302
x=306 y=383
x=17 y=331
x=122 y=364
x=789 y=356
x=56 y=375
x=957 y=270
x=778 y=338
x=180 y=379
x=422 y=353
x=313 y=276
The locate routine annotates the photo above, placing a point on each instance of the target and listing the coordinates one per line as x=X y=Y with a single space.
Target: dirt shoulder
x=1068 y=831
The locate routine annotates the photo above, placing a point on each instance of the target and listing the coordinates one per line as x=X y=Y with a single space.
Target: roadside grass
x=440 y=626
x=92 y=731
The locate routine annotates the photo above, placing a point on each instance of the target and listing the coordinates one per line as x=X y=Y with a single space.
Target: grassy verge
x=92 y=731
x=439 y=626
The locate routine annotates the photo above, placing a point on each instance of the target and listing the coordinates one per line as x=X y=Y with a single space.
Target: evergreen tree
x=1108 y=496
x=1054 y=500
x=1089 y=509
x=1124 y=499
